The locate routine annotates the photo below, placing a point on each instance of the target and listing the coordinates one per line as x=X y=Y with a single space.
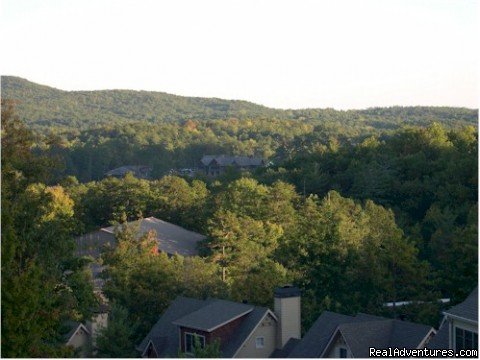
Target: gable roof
x=382 y=334
x=214 y=315
x=359 y=336
x=317 y=338
x=165 y=328
x=360 y=333
x=172 y=239
x=286 y=350
x=202 y=315
x=468 y=309
x=440 y=340
x=73 y=327
x=243 y=332
x=141 y=171
x=225 y=160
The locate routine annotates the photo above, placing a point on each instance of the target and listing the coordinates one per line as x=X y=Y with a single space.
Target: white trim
x=340 y=352
x=194 y=335
x=272 y=314
x=456 y=317
x=75 y=332
x=262 y=345
x=337 y=330
x=215 y=327
x=454 y=335
x=146 y=348
x=425 y=338
x=268 y=312
x=444 y=319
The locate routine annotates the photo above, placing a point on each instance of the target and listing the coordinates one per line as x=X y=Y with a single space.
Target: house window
x=260 y=342
x=190 y=339
x=465 y=339
x=342 y=352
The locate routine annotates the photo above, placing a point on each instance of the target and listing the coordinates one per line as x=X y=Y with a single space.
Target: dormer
x=217 y=320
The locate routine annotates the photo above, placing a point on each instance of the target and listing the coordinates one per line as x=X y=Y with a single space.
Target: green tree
x=36 y=223
x=117 y=339
x=239 y=242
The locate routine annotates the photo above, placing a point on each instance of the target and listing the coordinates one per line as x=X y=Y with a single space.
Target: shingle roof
x=137 y=170
x=440 y=340
x=315 y=340
x=216 y=314
x=382 y=334
x=243 y=331
x=71 y=327
x=164 y=327
x=172 y=238
x=467 y=309
x=287 y=349
x=360 y=333
x=408 y=334
x=182 y=307
x=225 y=160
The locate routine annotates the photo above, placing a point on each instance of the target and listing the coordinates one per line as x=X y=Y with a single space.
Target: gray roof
x=382 y=334
x=172 y=239
x=164 y=327
x=91 y=244
x=362 y=335
x=468 y=309
x=360 y=332
x=440 y=340
x=141 y=171
x=212 y=316
x=71 y=327
x=315 y=340
x=181 y=309
x=408 y=334
x=225 y=160
x=286 y=350
x=243 y=331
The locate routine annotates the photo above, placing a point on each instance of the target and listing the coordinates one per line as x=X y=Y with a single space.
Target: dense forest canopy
x=46 y=108
x=356 y=207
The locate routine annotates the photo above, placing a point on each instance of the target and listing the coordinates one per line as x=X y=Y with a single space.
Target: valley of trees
x=355 y=207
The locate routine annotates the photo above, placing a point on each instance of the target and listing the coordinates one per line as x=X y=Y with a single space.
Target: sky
x=341 y=54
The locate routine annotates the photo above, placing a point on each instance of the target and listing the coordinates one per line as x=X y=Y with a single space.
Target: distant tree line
x=355 y=219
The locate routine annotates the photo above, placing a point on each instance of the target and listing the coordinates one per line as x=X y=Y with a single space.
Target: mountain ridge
x=43 y=106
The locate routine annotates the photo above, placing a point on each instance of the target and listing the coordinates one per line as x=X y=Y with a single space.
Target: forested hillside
x=46 y=108
x=357 y=208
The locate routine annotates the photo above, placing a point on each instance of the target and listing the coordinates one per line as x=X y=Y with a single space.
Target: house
x=82 y=337
x=340 y=336
x=139 y=171
x=459 y=327
x=243 y=330
x=171 y=239
x=214 y=165
x=77 y=337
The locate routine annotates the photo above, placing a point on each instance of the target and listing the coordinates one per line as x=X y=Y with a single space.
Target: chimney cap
x=287 y=291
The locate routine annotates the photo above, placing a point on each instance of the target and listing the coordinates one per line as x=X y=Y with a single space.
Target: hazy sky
x=286 y=54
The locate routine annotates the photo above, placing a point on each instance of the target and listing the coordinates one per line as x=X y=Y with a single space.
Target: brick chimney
x=287 y=310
